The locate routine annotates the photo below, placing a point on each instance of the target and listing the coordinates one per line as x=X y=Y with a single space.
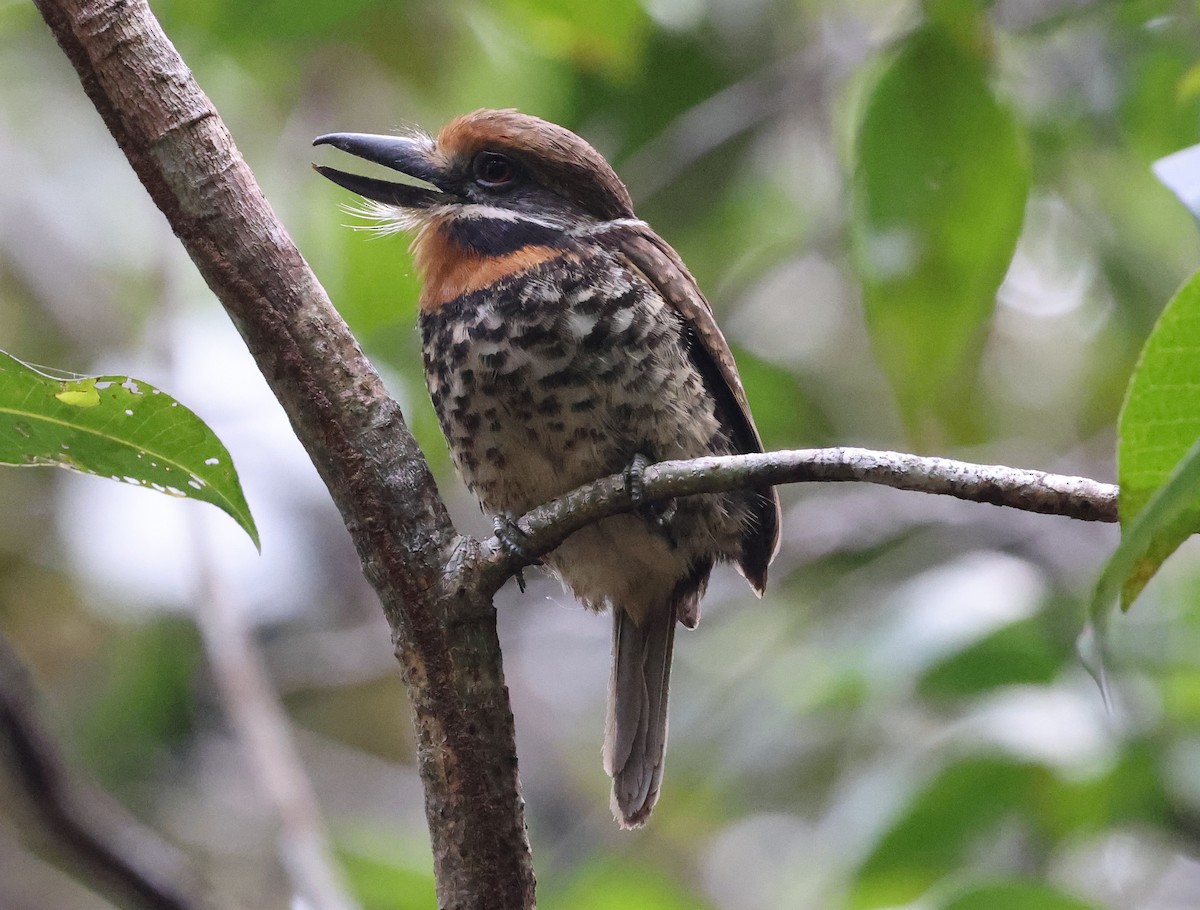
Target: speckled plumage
x=562 y=337
x=559 y=375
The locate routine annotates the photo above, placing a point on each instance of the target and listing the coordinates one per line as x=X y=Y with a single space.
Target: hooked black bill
x=408 y=156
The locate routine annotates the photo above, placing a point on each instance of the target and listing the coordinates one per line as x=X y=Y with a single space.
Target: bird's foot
x=658 y=514
x=514 y=540
x=634 y=485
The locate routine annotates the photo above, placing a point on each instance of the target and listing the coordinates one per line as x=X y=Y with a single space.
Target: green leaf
x=1167 y=520
x=1157 y=460
x=116 y=427
x=1022 y=653
x=1014 y=896
x=945 y=824
x=940 y=185
x=1132 y=792
x=607 y=38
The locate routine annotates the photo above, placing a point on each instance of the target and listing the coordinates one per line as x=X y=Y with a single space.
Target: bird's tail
x=635 y=736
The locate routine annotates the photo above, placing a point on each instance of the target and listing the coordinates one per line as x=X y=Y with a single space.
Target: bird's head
x=491 y=164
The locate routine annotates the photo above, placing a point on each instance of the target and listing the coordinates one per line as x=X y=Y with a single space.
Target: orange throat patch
x=448 y=270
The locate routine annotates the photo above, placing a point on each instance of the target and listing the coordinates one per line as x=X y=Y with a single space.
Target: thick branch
x=1033 y=491
x=352 y=430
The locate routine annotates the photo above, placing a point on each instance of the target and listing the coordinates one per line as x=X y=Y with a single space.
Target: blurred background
x=903 y=721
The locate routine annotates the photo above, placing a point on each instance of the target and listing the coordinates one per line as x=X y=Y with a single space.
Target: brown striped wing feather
x=654 y=258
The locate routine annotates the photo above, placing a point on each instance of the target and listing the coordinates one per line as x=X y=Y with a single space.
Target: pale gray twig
x=265 y=734
x=1032 y=491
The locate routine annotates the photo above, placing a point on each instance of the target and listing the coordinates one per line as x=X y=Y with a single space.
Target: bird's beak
x=412 y=157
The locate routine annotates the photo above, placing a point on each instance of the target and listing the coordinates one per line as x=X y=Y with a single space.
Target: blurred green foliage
x=1014 y=896
x=144 y=704
x=902 y=721
x=1023 y=653
x=941 y=180
x=379 y=885
x=956 y=815
x=614 y=885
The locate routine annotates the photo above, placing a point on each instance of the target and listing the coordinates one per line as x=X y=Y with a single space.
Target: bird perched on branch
x=565 y=341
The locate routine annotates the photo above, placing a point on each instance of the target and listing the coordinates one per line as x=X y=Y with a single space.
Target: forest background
x=903 y=721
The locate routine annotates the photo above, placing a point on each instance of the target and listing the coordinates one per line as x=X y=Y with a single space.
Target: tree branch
x=1032 y=491
x=445 y=637
x=264 y=732
x=129 y=861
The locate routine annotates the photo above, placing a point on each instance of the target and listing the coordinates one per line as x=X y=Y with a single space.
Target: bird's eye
x=494 y=170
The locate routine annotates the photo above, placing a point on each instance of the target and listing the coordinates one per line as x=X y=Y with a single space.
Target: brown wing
x=654 y=258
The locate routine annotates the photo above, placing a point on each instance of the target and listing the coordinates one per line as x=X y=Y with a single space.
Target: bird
x=565 y=341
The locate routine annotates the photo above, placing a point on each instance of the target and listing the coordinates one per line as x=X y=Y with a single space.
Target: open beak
x=411 y=157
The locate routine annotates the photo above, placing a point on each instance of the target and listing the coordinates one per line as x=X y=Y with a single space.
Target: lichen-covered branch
x=1032 y=491
x=352 y=430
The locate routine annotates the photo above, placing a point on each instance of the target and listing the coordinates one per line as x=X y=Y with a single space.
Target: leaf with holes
x=115 y=427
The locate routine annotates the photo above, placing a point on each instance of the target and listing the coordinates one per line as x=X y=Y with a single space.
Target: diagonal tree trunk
x=444 y=632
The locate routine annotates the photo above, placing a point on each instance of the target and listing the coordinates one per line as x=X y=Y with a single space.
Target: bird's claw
x=659 y=514
x=634 y=484
x=515 y=541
